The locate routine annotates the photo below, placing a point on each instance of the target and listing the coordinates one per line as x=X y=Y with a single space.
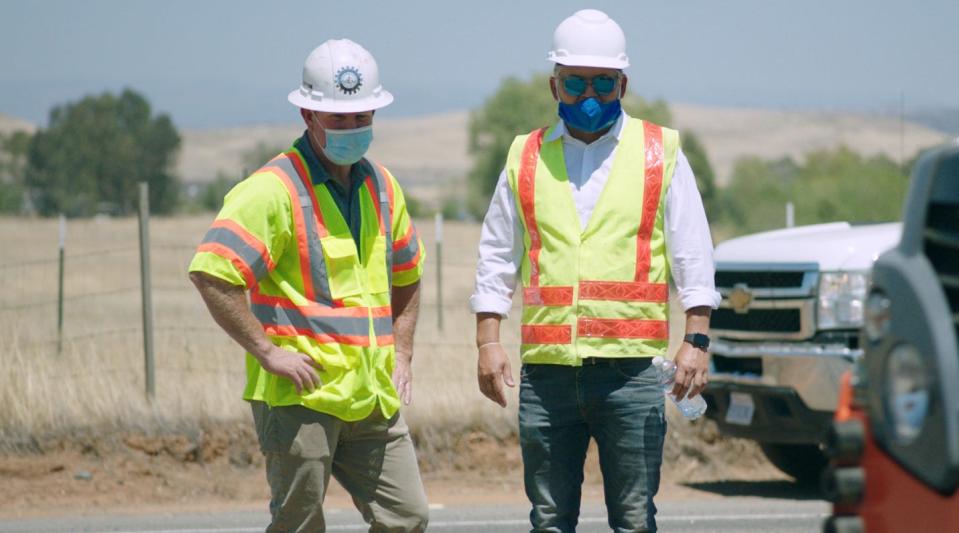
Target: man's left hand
x=403 y=377
x=692 y=365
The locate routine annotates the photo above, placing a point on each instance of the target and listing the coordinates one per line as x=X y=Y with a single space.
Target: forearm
x=487 y=328
x=406 y=309
x=697 y=319
x=228 y=306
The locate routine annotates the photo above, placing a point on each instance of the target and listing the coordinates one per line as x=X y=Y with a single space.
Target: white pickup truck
x=787 y=328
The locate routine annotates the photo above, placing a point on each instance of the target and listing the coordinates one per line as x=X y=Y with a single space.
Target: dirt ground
x=220 y=467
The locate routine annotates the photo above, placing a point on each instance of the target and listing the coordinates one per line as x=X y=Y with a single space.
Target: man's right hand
x=493 y=369
x=298 y=367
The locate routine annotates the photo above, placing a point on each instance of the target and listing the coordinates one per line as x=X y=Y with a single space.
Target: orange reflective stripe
x=376 y=203
x=405 y=239
x=389 y=186
x=319 y=336
x=624 y=291
x=407 y=265
x=230 y=254
x=304 y=175
x=550 y=296
x=248 y=238
x=617 y=328
x=526 y=183
x=547 y=334
x=653 y=140
x=315 y=309
x=302 y=237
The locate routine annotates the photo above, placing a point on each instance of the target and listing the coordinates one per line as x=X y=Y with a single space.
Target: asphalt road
x=730 y=514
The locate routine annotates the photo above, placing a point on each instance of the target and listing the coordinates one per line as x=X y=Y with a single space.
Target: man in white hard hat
x=321 y=239
x=592 y=215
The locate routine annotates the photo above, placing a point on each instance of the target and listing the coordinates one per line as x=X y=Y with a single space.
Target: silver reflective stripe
x=408 y=252
x=379 y=180
x=383 y=325
x=334 y=325
x=321 y=282
x=246 y=253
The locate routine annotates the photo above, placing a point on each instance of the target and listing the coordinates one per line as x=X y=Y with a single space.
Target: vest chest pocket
x=376 y=266
x=342 y=266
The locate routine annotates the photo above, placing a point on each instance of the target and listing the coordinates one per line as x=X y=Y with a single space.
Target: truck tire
x=804 y=462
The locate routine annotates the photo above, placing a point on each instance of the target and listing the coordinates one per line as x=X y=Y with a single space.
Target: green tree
x=13 y=158
x=830 y=185
x=519 y=106
x=705 y=177
x=94 y=153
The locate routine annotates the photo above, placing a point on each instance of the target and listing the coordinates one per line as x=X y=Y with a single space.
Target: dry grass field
x=83 y=412
x=98 y=380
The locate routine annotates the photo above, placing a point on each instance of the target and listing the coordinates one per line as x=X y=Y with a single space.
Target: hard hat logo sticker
x=349 y=80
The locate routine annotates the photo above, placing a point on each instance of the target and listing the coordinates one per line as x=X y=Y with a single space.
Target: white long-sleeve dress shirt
x=688 y=241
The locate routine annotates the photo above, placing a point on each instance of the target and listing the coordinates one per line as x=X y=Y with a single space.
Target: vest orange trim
x=229 y=253
x=368 y=184
x=618 y=328
x=251 y=240
x=526 y=183
x=653 y=140
x=302 y=237
x=546 y=334
x=621 y=291
x=550 y=296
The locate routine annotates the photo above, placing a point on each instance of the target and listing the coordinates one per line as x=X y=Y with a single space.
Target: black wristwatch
x=698 y=340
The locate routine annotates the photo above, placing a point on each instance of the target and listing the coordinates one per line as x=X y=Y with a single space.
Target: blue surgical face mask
x=345 y=147
x=590 y=115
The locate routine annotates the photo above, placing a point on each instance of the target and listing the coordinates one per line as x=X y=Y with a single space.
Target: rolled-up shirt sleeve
x=500 y=254
x=688 y=241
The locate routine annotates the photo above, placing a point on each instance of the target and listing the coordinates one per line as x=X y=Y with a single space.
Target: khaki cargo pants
x=373 y=459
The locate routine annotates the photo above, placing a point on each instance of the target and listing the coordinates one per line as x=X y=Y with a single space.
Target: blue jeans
x=616 y=402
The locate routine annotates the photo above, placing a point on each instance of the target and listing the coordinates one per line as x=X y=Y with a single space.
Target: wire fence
x=101 y=292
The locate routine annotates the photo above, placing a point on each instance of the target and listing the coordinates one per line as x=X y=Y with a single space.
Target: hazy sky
x=222 y=63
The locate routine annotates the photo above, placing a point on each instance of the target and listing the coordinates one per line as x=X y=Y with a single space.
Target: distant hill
x=942 y=119
x=429 y=153
x=10 y=124
x=730 y=133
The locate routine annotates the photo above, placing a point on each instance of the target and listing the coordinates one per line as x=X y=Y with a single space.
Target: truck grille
x=771 y=320
x=769 y=302
x=941 y=246
x=778 y=280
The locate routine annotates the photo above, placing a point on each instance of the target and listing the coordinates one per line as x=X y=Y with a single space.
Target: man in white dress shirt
x=592 y=216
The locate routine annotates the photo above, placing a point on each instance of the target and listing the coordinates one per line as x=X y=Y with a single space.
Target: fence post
x=147 y=300
x=63 y=242
x=439 y=271
x=790 y=215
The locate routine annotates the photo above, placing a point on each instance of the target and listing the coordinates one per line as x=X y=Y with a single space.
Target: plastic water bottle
x=692 y=408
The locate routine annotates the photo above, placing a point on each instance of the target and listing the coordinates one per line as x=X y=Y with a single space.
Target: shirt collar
x=615 y=132
x=318 y=172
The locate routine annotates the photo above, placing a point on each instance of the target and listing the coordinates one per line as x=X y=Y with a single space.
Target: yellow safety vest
x=601 y=291
x=322 y=297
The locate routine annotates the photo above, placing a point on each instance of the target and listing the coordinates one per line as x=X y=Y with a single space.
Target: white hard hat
x=589 y=38
x=340 y=76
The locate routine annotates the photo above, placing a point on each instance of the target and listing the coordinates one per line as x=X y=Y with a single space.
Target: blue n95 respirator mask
x=590 y=115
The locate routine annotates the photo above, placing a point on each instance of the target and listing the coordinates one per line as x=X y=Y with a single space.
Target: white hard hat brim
x=301 y=99
x=588 y=61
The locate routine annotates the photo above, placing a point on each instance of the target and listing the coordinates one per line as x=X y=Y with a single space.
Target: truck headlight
x=906 y=388
x=841 y=299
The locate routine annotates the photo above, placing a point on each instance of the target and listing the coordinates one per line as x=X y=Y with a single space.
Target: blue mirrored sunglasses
x=603 y=84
